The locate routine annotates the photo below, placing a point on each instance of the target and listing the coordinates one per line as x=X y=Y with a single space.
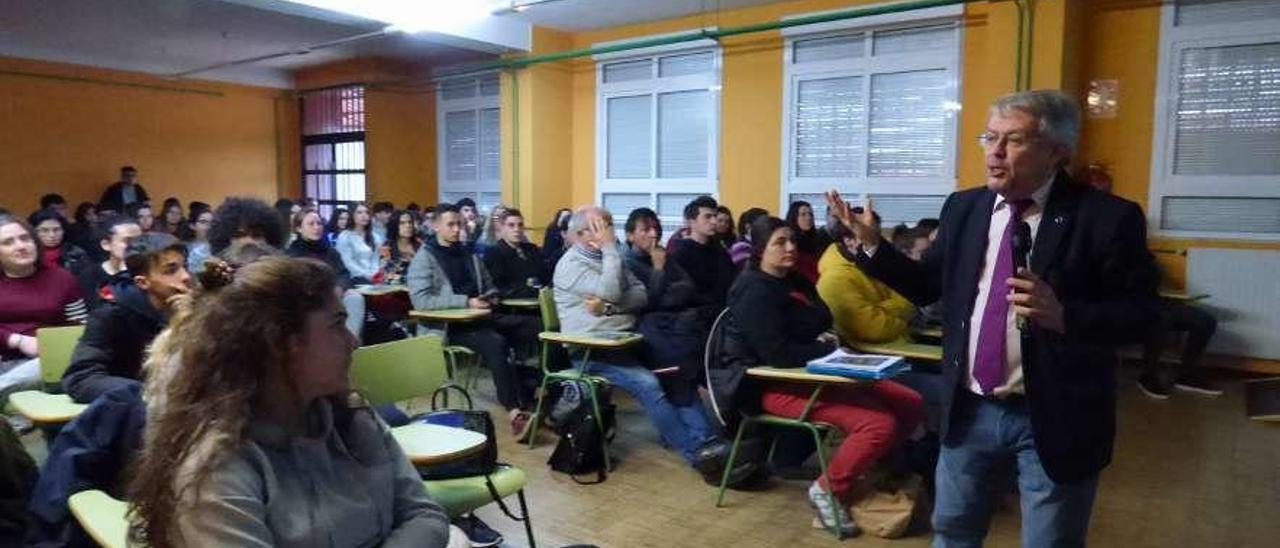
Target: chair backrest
x=399 y=370
x=710 y=352
x=56 y=345
x=547 y=306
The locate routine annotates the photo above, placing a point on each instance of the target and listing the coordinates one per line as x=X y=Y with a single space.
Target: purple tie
x=989 y=360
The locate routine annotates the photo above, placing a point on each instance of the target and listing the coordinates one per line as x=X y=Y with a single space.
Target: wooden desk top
x=103 y=517
x=450 y=314
x=520 y=303
x=1175 y=295
x=434 y=444
x=909 y=350
x=933 y=332
x=593 y=340
x=797 y=374
x=45 y=408
x=380 y=289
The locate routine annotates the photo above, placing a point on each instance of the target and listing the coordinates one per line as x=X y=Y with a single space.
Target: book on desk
x=843 y=363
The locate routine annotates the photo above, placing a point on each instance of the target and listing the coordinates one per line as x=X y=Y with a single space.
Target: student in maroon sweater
x=31 y=296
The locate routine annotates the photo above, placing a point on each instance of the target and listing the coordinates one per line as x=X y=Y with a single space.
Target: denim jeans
x=988 y=437
x=683 y=427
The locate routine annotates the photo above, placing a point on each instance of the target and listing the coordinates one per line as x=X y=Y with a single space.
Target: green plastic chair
x=399 y=370
x=102 y=517
x=551 y=323
x=50 y=406
x=415 y=367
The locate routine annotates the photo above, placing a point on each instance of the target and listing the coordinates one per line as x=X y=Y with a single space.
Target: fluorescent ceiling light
x=412 y=15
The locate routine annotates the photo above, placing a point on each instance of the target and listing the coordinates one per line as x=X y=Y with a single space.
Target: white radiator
x=1244 y=285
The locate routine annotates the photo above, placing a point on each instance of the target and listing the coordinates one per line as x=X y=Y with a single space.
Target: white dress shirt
x=1013 y=338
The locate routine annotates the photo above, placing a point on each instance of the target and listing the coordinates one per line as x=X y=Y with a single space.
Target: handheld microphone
x=1021 y=240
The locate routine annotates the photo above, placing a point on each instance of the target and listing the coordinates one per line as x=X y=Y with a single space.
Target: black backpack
x=580 y=449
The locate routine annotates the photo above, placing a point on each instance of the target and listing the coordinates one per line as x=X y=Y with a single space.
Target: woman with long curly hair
x=254 y=437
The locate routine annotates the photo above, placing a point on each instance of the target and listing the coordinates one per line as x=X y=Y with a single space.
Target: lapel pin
x=1059 y=219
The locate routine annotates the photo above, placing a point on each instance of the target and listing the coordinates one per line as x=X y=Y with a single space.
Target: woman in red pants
x=777 y=318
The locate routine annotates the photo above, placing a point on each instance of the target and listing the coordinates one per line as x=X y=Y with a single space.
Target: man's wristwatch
x=609 y=309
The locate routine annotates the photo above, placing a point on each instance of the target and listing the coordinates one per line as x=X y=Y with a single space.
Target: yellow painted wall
x=400 y=146
x=69 y=128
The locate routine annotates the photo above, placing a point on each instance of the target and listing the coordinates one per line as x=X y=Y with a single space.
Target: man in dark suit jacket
x=1040 y=395
x=124 y=192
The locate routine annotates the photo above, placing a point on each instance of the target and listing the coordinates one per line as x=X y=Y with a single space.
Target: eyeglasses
x=1011 y=140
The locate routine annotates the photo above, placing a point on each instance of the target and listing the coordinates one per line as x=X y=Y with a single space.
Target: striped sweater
x=49 y=297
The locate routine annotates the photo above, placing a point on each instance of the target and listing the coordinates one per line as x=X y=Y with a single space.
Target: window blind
x=1228 y=111
x=682 y=133
x=908 y=124
x=629 y=134
x=830 y=119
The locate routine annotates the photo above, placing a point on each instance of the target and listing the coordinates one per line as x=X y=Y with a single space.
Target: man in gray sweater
x=595 y=293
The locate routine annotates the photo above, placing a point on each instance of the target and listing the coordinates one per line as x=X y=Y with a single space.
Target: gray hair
x=1057 y=113
x=578 y=222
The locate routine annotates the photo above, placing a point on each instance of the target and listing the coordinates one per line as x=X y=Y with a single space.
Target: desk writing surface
x=797 y=374
x=434 y=443
x=380 y=289
x=520 y=303
x=44 y=408
x=1176 y=295
x=594 y=340
x=909 y=350
x=450 y=314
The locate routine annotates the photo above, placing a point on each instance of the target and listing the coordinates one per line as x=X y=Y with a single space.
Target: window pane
x=832 y=47
x=683 y=118
x=1207 y=12
x=458 y=89
x=1258 y=215
x=671 y=211
x=453 y=197
x=916 y=39
x=460 y=139
x=1228 y=118
x=902 y=209
x=683 y=65
x=830 y=119
x=487 y=200
x=490 y=149
x=628 y=70
x=489 y=85
x=908 y=124
x=349 y=155
x=629 y=137
x=338 y=110
x=318 y=158
x=351 y=187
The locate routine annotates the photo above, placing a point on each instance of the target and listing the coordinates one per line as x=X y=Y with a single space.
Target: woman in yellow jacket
x=864 y=309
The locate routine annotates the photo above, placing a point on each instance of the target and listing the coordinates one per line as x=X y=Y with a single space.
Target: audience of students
x=197 y=236
x=240 y=219
x=110 y=353
x=740 y=250
x=673 y=322
x=142 y=214
x=595 y=293
x=258 y=421
x=702 y=256
x=379 y=222
x=55 y=249
x=55 y=202
x=113 y=237
x=725 y=232
x=309 y=242
x=83 y=228
x=472 y=223
x=447 y=273
x=398 y=251
x=358 y=246
x=338 y=222
x=123 y=193
x=517 y=266
x=170 y=220
x=554 y=240
x=31 y=296
x=810 y=241
x=777 y=318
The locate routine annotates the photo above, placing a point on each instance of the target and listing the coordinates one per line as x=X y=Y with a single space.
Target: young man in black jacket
x=703 y=257
x=110 y=353
x=516 y=265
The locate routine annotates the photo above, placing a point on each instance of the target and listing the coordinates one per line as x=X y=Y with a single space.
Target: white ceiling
x=171 y=36
x=578 y=15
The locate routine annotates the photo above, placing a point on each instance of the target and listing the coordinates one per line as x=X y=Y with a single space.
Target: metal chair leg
x=728 y=466
x=537 y=409
x=528 y=520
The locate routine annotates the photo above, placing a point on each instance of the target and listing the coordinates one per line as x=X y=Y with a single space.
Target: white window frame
x=866 y=67
x=655 y=87
x=1163 y=182
x=480 y=189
